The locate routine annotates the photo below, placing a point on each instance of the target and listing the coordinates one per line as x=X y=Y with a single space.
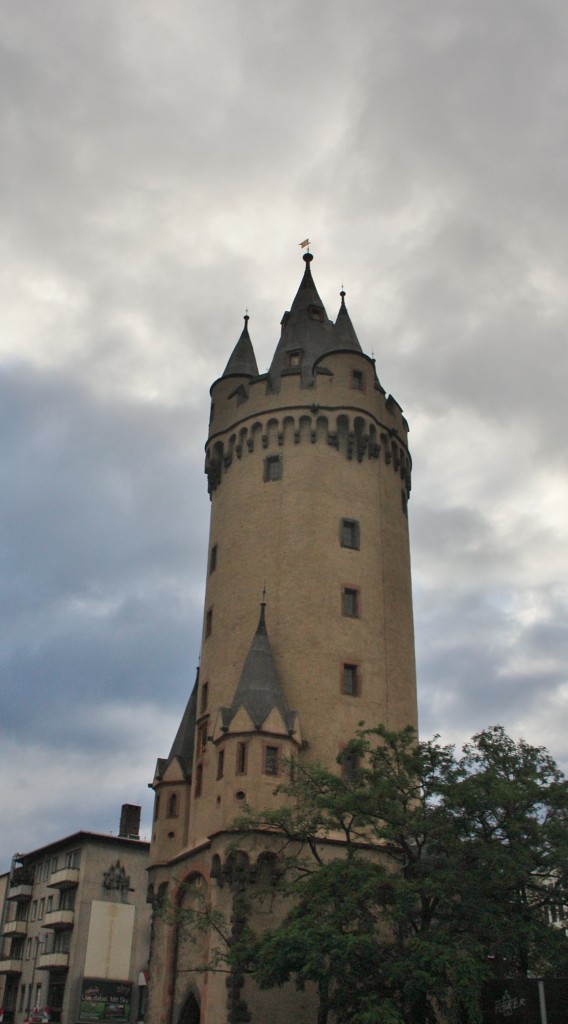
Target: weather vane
x=305 y=244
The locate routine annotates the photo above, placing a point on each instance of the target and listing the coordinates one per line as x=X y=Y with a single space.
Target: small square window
x=208 y=622
x=273 y=467
x=294 y=358
x=220 y=764
x=351 y=602
x=241 y=758
x=350 y=680
x=357 y=380
x=349 y=534
x=271 y=760
x=213 y=559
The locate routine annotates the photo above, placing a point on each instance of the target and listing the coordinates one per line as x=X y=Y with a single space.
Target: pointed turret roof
x=258 y=690
x=184 y=742
x=345 y=337
x=242 y=361
x=306 y=328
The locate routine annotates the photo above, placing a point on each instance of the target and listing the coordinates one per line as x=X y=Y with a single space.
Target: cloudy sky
x=160 y=163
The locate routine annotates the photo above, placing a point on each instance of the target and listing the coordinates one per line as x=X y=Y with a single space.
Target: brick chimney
x=130 y=821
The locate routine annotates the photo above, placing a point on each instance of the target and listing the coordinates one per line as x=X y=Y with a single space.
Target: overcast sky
x=160 y=162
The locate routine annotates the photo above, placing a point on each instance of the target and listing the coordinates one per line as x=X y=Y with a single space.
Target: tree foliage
x=414 y=875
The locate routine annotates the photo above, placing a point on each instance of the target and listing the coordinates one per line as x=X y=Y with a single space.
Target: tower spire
x=306 y=332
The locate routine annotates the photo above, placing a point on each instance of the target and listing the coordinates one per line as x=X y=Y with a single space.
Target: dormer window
x=294 y=358
x=316 y=313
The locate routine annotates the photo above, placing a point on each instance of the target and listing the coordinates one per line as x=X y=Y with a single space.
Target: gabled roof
x=258 y=690
x=242 y=361
x=306 y=329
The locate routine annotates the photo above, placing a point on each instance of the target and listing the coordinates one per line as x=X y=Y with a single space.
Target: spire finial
x=342 y=293
x=261 y=621
x=246 y=317
x=307 y=255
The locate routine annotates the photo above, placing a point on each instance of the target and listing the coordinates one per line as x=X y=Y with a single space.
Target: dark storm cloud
x=96 y=588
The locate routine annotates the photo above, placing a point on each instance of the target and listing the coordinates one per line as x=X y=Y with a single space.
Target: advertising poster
x=103 y=1000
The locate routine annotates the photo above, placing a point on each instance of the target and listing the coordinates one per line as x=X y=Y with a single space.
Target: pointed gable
x=306 y=333
x=258 y=691
x=242 y=361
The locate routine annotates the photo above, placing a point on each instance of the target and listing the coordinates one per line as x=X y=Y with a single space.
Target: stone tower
x=307 y=627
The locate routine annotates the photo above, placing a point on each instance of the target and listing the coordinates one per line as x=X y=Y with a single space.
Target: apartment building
x=75 y=929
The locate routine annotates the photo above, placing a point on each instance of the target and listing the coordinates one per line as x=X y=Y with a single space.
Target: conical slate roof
x=306 y=329
x=344 y=334
x=258 y=690
x=242 y=361
x=184 y=743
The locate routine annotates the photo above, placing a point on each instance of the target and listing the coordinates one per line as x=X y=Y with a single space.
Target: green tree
x=415 y=875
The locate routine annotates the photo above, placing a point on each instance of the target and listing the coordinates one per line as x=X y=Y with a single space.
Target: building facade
x=307 y=628
x=75 y=929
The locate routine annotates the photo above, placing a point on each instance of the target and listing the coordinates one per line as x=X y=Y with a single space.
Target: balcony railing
x=53 y=961
x=19 y=891
x=15 y=928
x=59 y=919
x=65 y=878
x=10 y=965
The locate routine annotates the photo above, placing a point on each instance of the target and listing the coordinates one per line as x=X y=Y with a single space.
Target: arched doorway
x=190 y=1012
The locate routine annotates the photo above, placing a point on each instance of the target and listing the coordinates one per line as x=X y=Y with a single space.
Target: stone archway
x=190 y=1012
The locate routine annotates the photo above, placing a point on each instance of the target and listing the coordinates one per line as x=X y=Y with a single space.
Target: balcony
x=19 y=891
x=53 y=962
x=59 y=919
x=65 y=878
x=15 y=928
x=10 y=965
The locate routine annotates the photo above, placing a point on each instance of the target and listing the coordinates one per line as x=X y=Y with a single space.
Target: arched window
x=173 y=806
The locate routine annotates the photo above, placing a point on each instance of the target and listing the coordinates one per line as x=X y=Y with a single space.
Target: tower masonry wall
x=341 y=453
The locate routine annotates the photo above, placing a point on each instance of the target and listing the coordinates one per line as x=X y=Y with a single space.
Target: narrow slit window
x=350 y=680
x=220 y=764
x=198 y=779
x=241 y=758
x=351 y=602
x=204 y=696
x=213 y=559
x=271 y=760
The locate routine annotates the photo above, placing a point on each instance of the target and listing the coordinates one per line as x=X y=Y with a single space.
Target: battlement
x=345 y=408
x=353 y=435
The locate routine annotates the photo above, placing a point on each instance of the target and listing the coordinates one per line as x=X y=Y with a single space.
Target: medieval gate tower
x=307 y=628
